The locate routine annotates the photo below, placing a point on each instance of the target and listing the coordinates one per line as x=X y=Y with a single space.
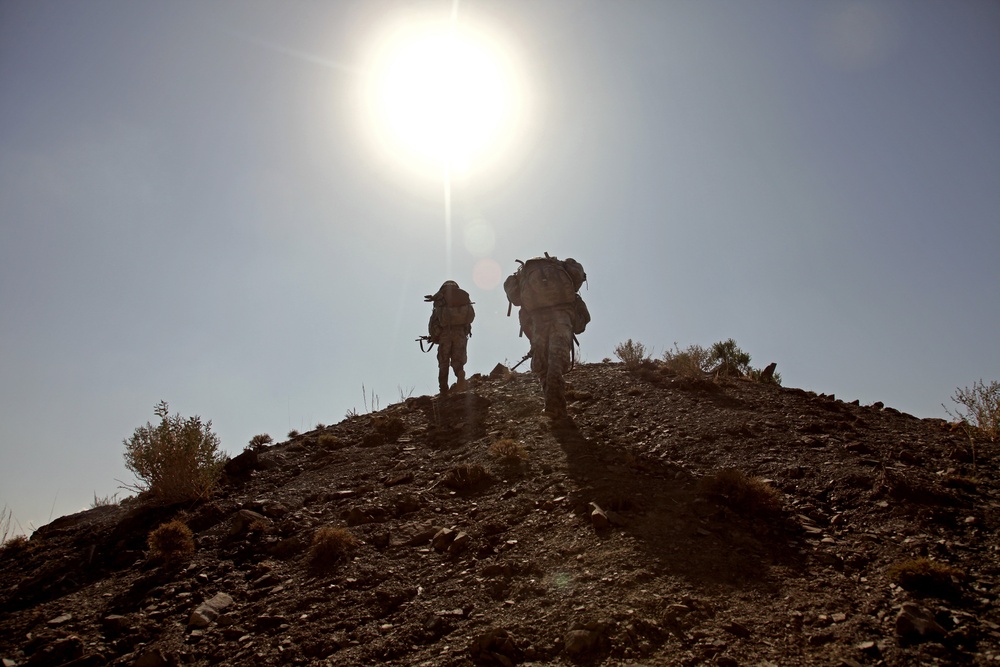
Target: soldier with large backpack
x=551 y=313
x=450 y=327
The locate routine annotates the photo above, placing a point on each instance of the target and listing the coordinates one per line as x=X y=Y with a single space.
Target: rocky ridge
x=594 y=542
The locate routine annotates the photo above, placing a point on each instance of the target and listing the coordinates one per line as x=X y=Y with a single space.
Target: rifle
x=421 y=341
x=523 y=359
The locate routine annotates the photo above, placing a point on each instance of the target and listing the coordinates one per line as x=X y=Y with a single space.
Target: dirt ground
x=672 y=521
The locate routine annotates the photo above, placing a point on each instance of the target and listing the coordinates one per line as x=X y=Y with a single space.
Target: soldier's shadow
x=681 y=530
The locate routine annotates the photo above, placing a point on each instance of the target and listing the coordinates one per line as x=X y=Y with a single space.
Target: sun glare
x=442 y=98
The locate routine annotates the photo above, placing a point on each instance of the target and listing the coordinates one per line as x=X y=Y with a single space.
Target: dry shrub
x=176 y=460
x=330 y=546
x=632 y=354
x=327 y=441
x=466 y=477
x=747 y=495
x=260 y=440
x=509 y=450
x=924 y=576
x=692 y=362
x=171 y=542
x=14 y=546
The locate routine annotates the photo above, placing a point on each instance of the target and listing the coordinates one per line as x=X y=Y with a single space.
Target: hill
x=674 y=522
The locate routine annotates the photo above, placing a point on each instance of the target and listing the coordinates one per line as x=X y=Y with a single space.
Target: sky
x=210 y=204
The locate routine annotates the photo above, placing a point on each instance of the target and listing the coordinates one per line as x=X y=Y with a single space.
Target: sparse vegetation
x=691 y=362
x=632 y=354
x=978 y=410
x=508 y=451
x=728 y=359
x=260 y=440
x=320 y=426
x=294 y=433
x=466 y=477
x=106 y=501
x=171 y=542
x=327 y=441
x=744 y=494
x=176 y=460
x=371 y=405
x=7 y=527
x=331 y=545
x=725 y=359
x=924 y=576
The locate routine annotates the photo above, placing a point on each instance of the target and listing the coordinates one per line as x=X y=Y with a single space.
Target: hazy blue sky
x=191 y=208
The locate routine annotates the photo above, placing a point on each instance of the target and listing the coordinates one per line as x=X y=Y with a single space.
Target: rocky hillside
x=673 y=522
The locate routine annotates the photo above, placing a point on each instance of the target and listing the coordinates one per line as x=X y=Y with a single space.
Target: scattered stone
x=737 y=629
x=443 y=539
x=915 y=624
x=598 y=518
x=243 y=519
x=154 y=657
x=495 y=646
x=209 y=610
x=57 y=652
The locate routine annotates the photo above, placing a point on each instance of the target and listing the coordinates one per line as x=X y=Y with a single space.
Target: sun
x=442 y=97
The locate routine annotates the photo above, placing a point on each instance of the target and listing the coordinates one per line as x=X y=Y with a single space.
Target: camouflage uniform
x=551 y=354
x=450 y=327
x=452 y=351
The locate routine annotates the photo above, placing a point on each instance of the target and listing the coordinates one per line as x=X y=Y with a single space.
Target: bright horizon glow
x=442 y=100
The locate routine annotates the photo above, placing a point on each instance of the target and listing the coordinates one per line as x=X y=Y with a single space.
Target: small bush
x=330 y=546
x=508 y=450
x=728 y=359
x=692 y=362
x=176 y=460
x=979 y=409
x=260 y=440
x=466 y=477
x=327 y=441
x=294 y=433
x=746 y=495
x=14 y=546
x=631 y=354
x=924 y=576
x=171 y=542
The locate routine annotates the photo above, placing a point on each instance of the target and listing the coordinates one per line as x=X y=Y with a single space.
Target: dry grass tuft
x=327 y=441
x=330 y=546
x=171 y=542
x=509 y=451
x=744 y=494
x=924 y=576
x=466 y=477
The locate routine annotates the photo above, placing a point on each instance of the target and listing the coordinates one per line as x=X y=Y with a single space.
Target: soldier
x=450 y=326
x=552 y=312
